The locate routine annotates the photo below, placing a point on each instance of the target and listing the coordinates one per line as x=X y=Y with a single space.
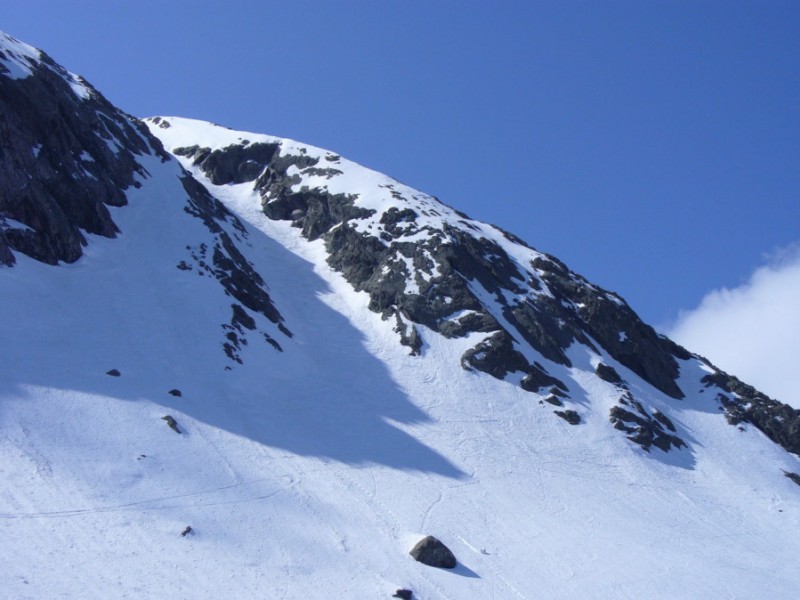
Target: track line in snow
x=138 y=505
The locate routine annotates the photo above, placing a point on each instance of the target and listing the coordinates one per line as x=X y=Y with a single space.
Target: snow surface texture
x=312 y=471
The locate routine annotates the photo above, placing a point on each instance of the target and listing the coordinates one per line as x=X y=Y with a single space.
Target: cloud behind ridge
x=752 y=331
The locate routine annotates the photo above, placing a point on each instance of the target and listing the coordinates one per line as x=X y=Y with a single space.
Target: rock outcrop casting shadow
x=325 y=395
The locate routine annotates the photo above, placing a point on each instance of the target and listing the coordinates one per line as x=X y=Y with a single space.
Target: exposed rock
x=554 y=400
x=537 y=378
x=66 y=157
x=187 y=531
x=496 y=356
x=114 y=373
x=570 y=416
x=430 y=551
x=175 y=392
x=403 y=594
x=779 y=422
x=793 y=476
x=234 y=164
x=611 y=323
x=644 y=429
x=445 y=264
x=664 y=420
x=451 y=279
x=607 y=373
x=409 y=336
x=172 y=423
x=227 y=264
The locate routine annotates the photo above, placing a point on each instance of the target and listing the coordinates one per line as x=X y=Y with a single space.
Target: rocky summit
x=348 y=364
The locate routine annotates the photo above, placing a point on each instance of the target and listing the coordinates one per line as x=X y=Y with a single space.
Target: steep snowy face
x=430 y=268
x=424 y=263
x=70 y=157
x=164 y=435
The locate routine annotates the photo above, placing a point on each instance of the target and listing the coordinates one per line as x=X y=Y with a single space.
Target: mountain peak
x=241 y=365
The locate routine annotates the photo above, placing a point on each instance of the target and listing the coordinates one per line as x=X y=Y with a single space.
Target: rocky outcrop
x=67 y=154
x=429 y=267
x=237 y=164
x=570 y=416
x=610 y=322
x=744 y=404
x=645 y=429
x=224 y=262
x=444 y=274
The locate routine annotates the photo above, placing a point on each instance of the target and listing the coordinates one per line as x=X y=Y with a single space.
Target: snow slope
x=311 y=471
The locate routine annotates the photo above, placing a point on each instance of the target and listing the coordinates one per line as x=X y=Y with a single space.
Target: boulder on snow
x=404 y=594
x=609 y=374
x=175 y=392
x=570 y=416
x=430 y=551
x=114 y=373
x=173 y=424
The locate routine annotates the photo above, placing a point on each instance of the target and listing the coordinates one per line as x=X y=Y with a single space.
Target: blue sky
x=652 y=146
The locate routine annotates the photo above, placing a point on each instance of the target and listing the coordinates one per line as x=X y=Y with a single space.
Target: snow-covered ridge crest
x=18 y=60
x=328 y=171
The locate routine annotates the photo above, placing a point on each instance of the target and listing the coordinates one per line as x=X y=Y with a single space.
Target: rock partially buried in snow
x=430 y=551
x=173 y=424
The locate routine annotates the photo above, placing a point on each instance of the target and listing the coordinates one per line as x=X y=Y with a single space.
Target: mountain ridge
x=357 y=365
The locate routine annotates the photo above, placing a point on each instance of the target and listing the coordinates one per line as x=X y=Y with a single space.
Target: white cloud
x=753 y=331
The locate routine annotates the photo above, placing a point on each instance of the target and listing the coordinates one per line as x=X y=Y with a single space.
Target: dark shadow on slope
x=325 y=396
x=464 y=571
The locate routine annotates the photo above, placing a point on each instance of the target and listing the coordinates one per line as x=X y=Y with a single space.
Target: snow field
x=311 y=472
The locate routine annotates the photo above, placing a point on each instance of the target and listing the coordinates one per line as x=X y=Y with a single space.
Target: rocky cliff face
x=67 y=154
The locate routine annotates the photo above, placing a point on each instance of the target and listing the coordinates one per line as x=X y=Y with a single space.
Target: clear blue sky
x=652 y=146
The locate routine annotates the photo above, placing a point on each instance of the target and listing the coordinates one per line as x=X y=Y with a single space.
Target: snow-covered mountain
x=312 y=366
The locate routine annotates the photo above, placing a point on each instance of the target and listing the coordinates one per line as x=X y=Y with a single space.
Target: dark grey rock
x=607 y=373
x=793 y=476
x=234 y=164
x=430 y=551
x=114 y=373
x=644 y=429
x=605 y=316
x=230 y=267
x=65 y=159
x=554 y=400
x=175 y=392
x=537 y=378
x=403 y=594
x=743 y=403
x=496 y=356
x=409 y=336
x=570 y=416
x=172 y=423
